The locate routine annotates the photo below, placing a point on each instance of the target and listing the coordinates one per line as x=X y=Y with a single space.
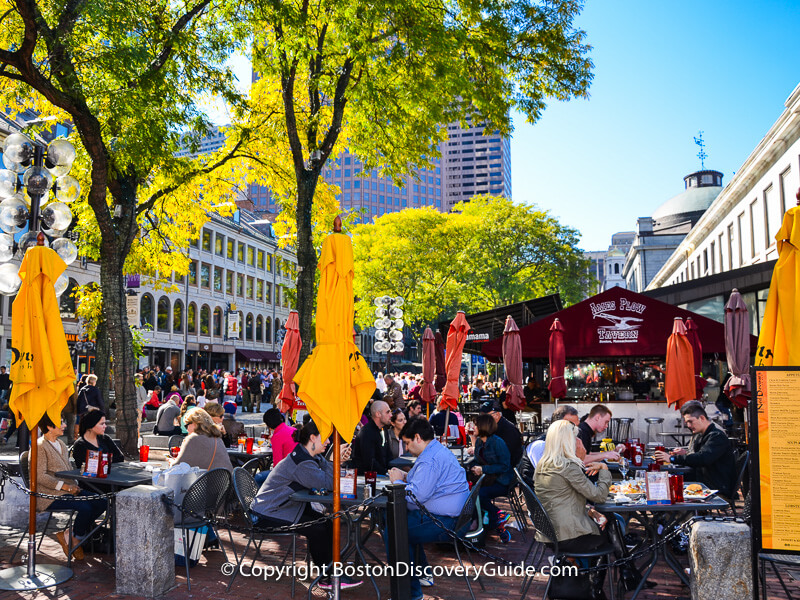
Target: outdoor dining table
x=406 y=461
x=355 y=543
x=665 y=518
x=120 y=476
x=240 y=458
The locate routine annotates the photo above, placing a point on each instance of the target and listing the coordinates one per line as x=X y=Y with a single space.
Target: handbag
x=569 y=587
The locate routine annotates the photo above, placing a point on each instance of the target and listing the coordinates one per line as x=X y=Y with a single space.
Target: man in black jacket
x=370 y=448
x=710 y=453
x=505 y=430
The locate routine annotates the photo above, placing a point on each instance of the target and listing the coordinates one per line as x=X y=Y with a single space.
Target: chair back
x=174 y=440
x=246 y=489
x=741 y=467
x=468 y=510
x=541 y=521
x=24 y=469
x=258 y=464
x=206 y=494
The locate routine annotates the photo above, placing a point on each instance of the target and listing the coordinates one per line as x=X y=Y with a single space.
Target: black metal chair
x=200 y=503
x=536 y=549
x=258 y=465
x=544 y=526
x=741 y=468
x=785 y=561
x=175 y=440
x=24 y=469
x=514 y=500
x=246 y=489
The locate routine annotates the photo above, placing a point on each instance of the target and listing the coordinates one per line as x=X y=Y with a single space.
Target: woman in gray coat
x=304 y=468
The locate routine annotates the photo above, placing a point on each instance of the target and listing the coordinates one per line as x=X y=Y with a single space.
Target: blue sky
x=663 y=72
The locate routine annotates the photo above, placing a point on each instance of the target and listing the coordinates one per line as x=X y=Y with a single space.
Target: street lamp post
x=389 y=326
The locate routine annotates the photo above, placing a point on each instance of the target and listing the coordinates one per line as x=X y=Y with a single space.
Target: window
x=772 y=214
x=206 y=240
x=145 y=311
x=277 y=327
x=719 y=253
x=259 y=328
x=162 y=322
x=219 y=245
x=261 y=259
x=240 y=285
x=278 y=295
x=229 y=282
x=616 y=269
x=217 y=279
x=229 y=246
x=268 y=297
x=784 y=183
x=193 y=273
x=286 y=297
x=250 y=287
x=755 y=223
x=205 y=320
x=251 y=256
x=179 y=278
x=240 y=251
x=205 y=275
x=191 y=318
x=739 y=231
x=269 y=263
x=278 y=265
x=711 y=257
x=260 y=290
x=248 y=328
x=218 y=322
x=177 y=317
x=268 y=330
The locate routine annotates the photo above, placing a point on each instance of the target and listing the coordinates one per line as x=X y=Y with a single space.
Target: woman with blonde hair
x=203 y=447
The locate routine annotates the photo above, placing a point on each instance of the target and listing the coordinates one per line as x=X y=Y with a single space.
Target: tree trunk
x=306 y=258
x=102 y=361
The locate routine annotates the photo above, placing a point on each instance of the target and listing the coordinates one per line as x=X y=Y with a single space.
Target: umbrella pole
x=32 y=468
x=428 y=411
x=446 y=424
x=337 y=465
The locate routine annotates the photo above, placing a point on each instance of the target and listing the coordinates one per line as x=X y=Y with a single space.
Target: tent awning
x=256 y=356
x=614 y=323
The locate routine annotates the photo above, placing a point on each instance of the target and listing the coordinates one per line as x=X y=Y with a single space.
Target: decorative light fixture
x=389 y=325
x=31 y=171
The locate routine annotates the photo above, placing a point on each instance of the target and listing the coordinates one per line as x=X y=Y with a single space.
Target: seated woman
x=189 y=404
x=563 y=489
x=398 y=422
x=52 y=458
x=92 y=429
x=493 y=460
x=304 y=468
x=203 y=446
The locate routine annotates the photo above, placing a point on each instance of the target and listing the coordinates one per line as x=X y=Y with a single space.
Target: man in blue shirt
x=439 y=483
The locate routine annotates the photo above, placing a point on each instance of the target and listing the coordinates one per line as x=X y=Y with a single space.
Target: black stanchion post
x=397 y=522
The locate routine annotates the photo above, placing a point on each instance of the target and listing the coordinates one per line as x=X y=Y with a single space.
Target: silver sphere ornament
x=28 y=240
x=67 y=189
x=8 y=183
x=60 y=156
x=18 y=148
x=13 y=215
x=56 y=215
x=6 y=247
x=37 y=181
x=66 y=249
x=9 y=279
x=61 y=284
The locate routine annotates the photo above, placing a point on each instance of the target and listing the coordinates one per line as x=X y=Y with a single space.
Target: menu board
x=776 y=459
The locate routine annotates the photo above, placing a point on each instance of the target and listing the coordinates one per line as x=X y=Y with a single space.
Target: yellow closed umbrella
x=41 y=368
x=779 y=340
x=335 y=381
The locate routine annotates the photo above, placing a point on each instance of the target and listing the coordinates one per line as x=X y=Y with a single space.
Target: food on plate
x=629 y=487
x=694 y=489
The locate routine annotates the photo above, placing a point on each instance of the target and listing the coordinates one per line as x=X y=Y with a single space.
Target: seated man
x=535 y=450
x=439 y=483
x=710 y=453
x=371 y=448
x=165 y=419
x=596 y=422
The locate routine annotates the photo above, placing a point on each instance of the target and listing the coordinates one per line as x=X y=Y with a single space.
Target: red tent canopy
x=614 y=323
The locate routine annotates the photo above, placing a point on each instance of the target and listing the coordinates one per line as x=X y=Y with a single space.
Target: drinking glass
x=623 y=467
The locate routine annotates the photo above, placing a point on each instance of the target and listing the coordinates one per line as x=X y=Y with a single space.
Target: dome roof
x=615 y=253
x=695 y=199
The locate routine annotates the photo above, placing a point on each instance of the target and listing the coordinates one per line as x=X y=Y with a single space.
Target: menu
x=777 y=397
x=658 y=487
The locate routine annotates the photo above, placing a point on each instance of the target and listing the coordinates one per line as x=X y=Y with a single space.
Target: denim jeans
x=422 y=530
x=88 y=511
x=487 y=493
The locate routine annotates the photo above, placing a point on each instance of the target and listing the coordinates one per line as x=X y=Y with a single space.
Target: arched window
x=259 y=328
x=218 y=322
x=163 y=314
x=616 y=269
x=268 y=330
x=191 y=318
x=67 y=301
x=248 y=328
x=205 y=320
x=177 y=317
x=146 y=311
